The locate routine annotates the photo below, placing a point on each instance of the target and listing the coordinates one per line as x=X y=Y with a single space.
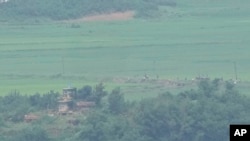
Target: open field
x=198 y=41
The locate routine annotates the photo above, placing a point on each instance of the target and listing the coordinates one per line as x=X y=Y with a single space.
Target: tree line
x=65 y=9
x=202 y=114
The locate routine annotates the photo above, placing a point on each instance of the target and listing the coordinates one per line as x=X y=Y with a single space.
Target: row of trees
x=14 y=106
x=65 y=9
x=195 y=115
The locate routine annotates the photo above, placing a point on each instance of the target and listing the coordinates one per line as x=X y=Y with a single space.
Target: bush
x=31 y=134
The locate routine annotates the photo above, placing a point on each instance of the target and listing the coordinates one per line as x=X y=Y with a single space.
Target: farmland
x=161 y=59
x=38 y=57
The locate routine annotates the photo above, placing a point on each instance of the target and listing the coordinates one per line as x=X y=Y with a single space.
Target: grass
x=196 y=40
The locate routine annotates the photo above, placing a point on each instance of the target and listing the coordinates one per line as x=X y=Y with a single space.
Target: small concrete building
x=64 y=102
x=64 y=105
x=70 y=91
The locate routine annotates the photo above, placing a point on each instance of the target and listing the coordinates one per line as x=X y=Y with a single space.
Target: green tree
x=208 y=88
x=32 y=134
x=84 y=93
x=159 y=120
x=44 y=101
x=95 y=128
x=116 y=102
x=98 y=94
x=14 y=106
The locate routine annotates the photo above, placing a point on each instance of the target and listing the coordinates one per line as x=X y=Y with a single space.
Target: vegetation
x=194 y=38
x=193 y=115
x=145 y=57
x=63 y=9
x=34 y=55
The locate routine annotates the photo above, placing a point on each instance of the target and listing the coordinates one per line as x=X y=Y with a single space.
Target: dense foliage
x=195 y=115
x=14 y=106
x=65 y=9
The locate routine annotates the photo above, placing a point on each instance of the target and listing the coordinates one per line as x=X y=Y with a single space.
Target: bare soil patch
x=115 y=16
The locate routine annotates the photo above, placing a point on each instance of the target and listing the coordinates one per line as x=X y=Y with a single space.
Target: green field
x=192 y=39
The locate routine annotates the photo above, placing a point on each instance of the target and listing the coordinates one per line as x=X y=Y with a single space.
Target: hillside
x=203 y=114
x=63 y=9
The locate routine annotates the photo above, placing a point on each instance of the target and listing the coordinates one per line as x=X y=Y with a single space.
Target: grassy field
x=192 y=39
